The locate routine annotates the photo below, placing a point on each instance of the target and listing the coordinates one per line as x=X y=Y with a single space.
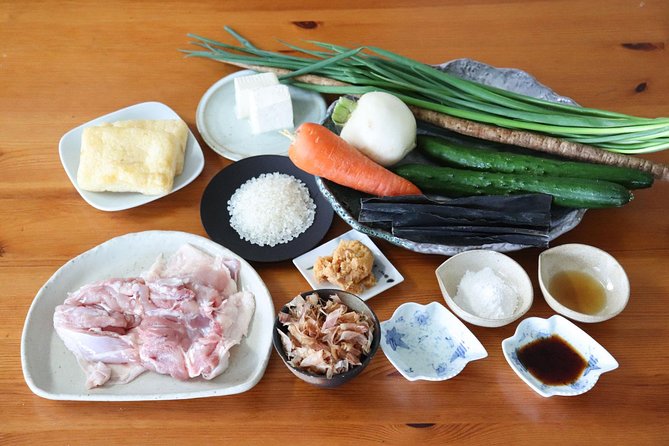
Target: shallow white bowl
x=593 y=261
x=450 y=273
x=427 y=342
x=599 y=360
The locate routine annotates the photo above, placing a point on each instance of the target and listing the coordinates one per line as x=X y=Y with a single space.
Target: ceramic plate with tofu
x=164 y=165
x=253 y=128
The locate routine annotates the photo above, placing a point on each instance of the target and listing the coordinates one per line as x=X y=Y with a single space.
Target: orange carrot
x=318 y=151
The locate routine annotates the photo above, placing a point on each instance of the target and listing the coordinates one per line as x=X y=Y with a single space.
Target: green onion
x=366 y=69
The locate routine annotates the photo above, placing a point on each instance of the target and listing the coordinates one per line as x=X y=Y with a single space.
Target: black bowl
x=216 y=217
x=354 y=303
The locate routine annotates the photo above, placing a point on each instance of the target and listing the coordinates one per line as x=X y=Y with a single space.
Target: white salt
x=484 y=294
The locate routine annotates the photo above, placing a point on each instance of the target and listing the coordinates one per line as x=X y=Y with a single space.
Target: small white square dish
x=70 y=146
x=386 y=274
x=427 y=342
x=546 y=361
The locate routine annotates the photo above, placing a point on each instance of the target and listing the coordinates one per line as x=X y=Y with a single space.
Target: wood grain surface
x=64 y=63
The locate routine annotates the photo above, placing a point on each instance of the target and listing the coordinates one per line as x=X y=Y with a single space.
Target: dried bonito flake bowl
x=450 y=273
x=603 y=268
x=354 y=303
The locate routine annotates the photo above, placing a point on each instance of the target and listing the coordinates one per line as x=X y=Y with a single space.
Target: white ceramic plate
x=427 y=342
x=533 y=328
x=231 y=137
x=51 y=370
x=386 y=274
x=70 y=147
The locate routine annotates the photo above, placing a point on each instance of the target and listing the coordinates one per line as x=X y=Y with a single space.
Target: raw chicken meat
x=180 y=318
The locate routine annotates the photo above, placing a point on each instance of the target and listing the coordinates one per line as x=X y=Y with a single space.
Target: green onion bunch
x=369 y=68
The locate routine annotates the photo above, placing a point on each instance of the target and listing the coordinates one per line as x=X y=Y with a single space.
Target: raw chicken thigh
x=180 y=318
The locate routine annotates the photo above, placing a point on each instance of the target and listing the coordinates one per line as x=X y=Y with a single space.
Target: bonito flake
x=324 y=337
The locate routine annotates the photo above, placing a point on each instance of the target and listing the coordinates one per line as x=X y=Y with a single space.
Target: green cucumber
x=453 y=153
x=569 y=192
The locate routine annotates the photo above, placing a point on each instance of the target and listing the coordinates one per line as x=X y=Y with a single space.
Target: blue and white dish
x=386 y=274
x=427 y=342
x=533 y=328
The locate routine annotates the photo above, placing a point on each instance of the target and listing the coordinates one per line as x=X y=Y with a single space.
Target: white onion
x=382 y=127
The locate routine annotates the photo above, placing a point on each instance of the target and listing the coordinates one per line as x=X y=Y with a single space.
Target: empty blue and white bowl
x=598 y=359
x=427 y=342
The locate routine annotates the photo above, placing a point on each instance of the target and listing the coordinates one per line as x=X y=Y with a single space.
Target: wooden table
x=64 y=63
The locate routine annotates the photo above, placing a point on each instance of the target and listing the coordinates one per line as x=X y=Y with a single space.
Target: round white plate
x=51 y=370
x=231 y=137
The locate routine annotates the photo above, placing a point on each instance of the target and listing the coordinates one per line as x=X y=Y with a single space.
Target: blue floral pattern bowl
x=533 y=328
x=427 y=342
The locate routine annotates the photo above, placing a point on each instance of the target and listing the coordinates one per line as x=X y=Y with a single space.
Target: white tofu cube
x=244 y=85
x=270 y=109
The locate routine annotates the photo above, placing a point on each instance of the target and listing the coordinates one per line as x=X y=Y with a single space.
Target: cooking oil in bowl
x=578 y=291
x=583 y=283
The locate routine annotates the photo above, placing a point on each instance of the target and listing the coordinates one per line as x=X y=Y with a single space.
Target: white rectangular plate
x=51 y=370
x=386 y=274
x=70 y=148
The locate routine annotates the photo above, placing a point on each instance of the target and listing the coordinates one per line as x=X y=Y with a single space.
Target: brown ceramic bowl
x=354 y=303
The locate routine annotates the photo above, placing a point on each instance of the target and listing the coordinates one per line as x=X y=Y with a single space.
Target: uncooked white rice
x=270 y=209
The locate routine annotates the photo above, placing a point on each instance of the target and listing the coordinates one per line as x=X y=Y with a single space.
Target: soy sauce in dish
x=552 y=360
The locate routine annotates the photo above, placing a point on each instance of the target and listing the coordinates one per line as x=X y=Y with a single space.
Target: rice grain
x=271 y=209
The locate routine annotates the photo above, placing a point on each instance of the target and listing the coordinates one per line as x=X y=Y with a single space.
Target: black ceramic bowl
x=353 y=302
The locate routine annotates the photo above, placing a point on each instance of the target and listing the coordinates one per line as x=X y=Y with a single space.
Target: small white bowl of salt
x=485 y=288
